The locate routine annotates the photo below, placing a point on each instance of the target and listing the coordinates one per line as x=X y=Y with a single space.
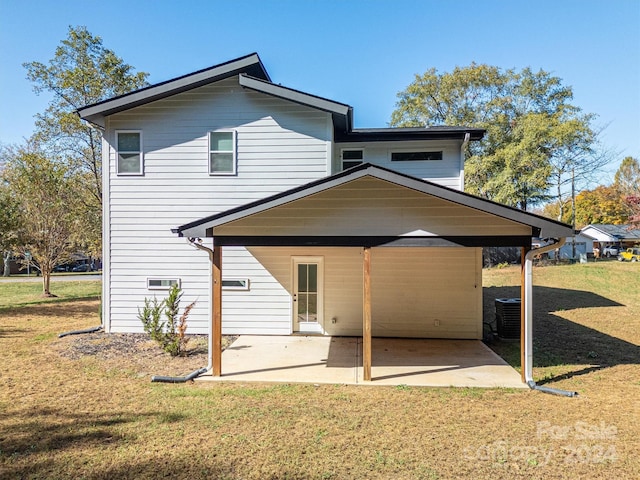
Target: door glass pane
x=302 y=307
x=312 y=307
x=302 y=277
x=313 y=277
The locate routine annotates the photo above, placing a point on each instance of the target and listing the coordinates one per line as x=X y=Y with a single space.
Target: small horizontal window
x=415 y=156
x=235 y=284
x=162 y=283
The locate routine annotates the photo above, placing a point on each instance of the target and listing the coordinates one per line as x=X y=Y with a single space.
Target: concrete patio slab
x=338 y=360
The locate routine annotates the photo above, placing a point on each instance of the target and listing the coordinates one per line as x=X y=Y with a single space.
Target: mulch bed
x=136 y=352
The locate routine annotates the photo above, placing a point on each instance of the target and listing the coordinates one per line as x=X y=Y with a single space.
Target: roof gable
x=249 y=64
x=442 y=201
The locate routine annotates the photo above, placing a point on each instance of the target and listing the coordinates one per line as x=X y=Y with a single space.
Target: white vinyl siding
x=369 y=206
x=426 y=292
x=280 y=145
x=445 y=172
x=416 y=292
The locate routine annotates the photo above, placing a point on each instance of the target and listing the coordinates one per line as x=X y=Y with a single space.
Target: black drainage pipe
x=78 y=332
x=191 y=376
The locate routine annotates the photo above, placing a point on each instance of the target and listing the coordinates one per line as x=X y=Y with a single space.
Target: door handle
x=295 y=297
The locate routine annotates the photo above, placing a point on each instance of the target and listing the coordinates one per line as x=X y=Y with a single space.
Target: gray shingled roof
x=623 y=232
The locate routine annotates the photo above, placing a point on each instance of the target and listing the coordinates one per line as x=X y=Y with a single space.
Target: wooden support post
x=523 y=254
x=216 y=310
x=366 y=314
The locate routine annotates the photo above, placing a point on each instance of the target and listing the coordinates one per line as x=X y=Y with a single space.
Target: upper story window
x=129 y=159
x=351 y=158
x=222 y=152
x=415 y=156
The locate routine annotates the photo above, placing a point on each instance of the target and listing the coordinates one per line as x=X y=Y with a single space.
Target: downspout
x=465 y=142
x=196 y=373
x=79 y=332
x=528 y=320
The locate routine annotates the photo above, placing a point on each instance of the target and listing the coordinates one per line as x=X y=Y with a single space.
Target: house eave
x=249 y=64
x=405 y=134
x=540 y=226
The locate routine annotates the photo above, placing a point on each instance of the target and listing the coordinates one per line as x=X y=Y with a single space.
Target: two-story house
x=312 y=224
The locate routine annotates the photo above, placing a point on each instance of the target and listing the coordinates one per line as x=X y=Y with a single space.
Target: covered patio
x=338 y=360
x=373 y=208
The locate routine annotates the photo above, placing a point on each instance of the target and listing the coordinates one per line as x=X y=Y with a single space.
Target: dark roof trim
x=294 y=95
x=375 y=241
x=404 y=134
x=342 y=113
x=541 y=226
x=249 y=64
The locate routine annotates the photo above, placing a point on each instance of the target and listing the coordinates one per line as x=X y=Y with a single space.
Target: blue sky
x=356 y=52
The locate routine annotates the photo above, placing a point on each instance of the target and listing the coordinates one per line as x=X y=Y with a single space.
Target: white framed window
x=351 y=157
x=162 y=283
x=129 y=156
x=222 y=152
x=235 y=284
x=415 y=155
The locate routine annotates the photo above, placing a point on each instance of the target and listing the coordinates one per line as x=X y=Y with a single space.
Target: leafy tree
x=47 y=198
x=627 y=180
x=536 y=140
x=10 y=222
x=633 y=202
x=604 y=204
x=81 y=72
x=627 y=177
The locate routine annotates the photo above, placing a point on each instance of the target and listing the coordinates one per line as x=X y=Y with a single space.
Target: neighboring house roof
x=253 y=75
x=539 y=226
x=614 y=232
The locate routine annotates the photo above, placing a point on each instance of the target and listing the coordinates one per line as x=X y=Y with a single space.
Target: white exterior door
x=308 y=279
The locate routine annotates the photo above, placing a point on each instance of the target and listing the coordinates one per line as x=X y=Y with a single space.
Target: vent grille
x=508 y=317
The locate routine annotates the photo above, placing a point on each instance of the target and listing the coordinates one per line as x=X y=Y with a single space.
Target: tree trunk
x=46 y=281
x=7 y=264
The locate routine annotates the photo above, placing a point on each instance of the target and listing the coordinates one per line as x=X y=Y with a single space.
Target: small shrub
x=170 y=333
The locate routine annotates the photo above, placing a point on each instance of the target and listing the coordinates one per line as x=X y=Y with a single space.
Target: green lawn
x=19 y=294
x=97 y=416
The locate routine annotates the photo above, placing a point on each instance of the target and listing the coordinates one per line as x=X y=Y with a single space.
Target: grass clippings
x=83 y=406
